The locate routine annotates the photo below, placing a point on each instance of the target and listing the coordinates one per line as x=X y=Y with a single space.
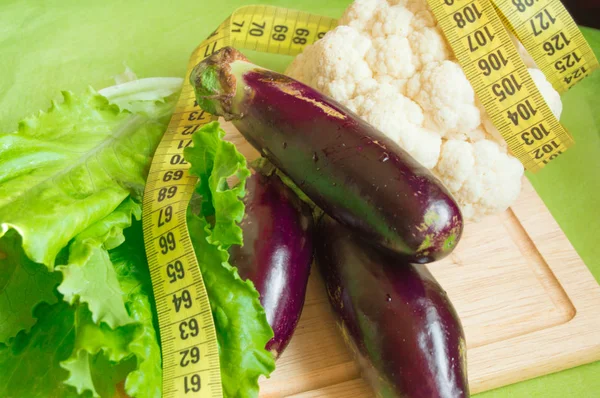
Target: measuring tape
x=552 y=39
x=483 y=47
x=492 y=64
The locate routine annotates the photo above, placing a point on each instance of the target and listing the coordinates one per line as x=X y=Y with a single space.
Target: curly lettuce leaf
x=213 y=161
x=92 y=339
x=132 y=293
x=108 y=335
x=96 y=284
x=70 y=182
x=23 y=285
x=143 y=95
x=80 y=373
x=241 y=323
x=107 y=376
x=240 y=320
x=96 y=375
x=129 y=260
x=30 y=365
x=67 y=168
x=90 y=276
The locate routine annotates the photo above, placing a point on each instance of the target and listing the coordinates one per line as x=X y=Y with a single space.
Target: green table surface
x=48 y=46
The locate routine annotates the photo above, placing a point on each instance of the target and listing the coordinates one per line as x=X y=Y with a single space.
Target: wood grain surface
x=528 y=304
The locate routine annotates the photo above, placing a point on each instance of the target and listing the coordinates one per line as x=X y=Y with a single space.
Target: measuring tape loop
x=476 y=31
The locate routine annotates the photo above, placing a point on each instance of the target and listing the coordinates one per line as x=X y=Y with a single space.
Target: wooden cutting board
x=528 y=304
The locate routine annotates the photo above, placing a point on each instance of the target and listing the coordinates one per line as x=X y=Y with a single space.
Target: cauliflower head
x=388 y=61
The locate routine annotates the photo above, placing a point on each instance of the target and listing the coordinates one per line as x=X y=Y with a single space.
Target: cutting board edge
x=588 y=350
x=540 y=364
x=548 y=355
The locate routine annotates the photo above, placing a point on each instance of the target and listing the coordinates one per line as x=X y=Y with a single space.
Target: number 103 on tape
x=478 y=32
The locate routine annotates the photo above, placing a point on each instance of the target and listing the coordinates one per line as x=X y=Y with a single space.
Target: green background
x=48 y=46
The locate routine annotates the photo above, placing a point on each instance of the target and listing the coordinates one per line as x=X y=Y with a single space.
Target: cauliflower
x=389 y=62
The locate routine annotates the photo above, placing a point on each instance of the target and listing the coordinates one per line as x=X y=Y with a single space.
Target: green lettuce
x=91 y=339
x=131 y=351
x=90 y=276
x=129 y=261
x=71 y=181
x=29 y=366
x=23 y=285
x=70 y=167
x=240 y=320
x=144 y=96
x=138 y=339
x=77 y=313
x=103 y=278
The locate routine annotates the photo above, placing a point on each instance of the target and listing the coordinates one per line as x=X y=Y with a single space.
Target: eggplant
x=395 y=317
x=347 y=167
x=277 y=253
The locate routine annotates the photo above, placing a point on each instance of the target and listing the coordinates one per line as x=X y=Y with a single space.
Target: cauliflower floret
x=456 y=163
x=483 y=179
x=382 y=80
x=525 y=56
x=389 y=62
x=551 y=96
x=428 y=45
x=380 y=109
x=446 y=96
x=424 y=18
x=360 y=14
x=342 y=68
x=423 y=145
x=392 y=56
x=391 y=21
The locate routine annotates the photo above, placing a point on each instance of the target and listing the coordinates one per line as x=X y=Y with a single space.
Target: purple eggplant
x=277 y=253
x=347 y=167
x=396 y=317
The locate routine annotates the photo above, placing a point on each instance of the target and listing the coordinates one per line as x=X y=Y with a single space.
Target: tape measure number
x=552 y=38
x=189 y=346
x=501 y=80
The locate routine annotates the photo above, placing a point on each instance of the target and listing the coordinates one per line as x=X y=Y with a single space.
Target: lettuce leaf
x=108 y=376
x=80 y=373
x=114 y=280
x=29 y=367
x=129 y=260
x=213 y=161
x=68 y=168
x=90 y=275
x=62 y=174
x=145 y=96
x=71 y=181
x=23 y=285
x=96 y=375
x=240 y=320
x=92 y=339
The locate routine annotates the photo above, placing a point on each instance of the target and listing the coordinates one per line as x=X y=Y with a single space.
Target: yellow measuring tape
x=551 y=37
x=482 y=45
x=492 y=64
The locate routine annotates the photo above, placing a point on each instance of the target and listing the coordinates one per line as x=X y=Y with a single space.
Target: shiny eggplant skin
x=277 y=253
x=347 y=167
x=396 y=317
